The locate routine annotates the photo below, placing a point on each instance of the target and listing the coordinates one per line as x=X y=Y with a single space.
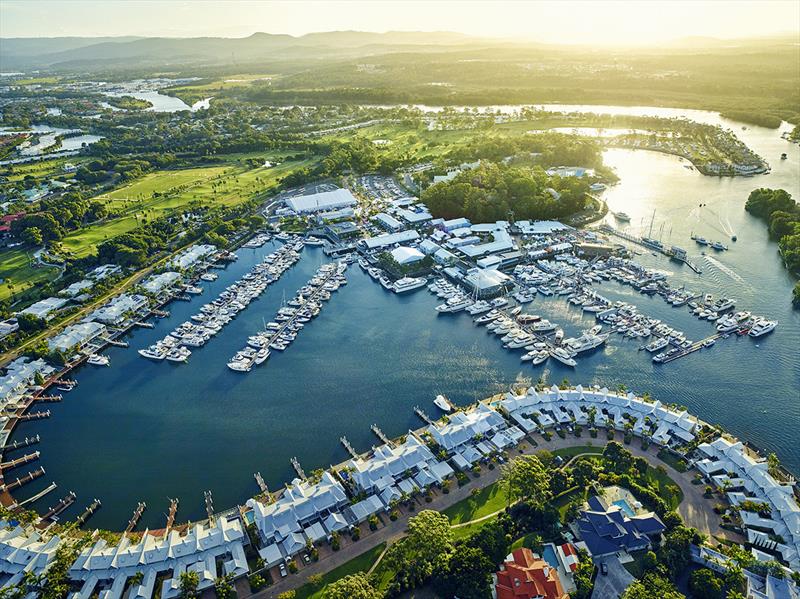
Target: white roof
x=390 y=239
x=486 y=278
x=43 y=308
x=326 y=200
x=77 y=334
x=407 y=255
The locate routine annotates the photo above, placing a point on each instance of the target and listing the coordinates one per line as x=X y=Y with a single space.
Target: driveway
x=613 y=584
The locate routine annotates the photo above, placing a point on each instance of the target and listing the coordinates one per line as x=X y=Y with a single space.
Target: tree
x=189 y=582
x=466 y=575
x=583 y=576
x=619 y=458
x=428 y=544
x=28 y=323
x=675 y=548
x=223 y=587
x=527 y=479
x=32 y=235
x=491 y=540
x=354 y=586
x=650 y=586
x=705 y=584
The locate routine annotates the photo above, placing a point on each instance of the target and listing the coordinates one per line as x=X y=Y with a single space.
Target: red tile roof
x=526 y=577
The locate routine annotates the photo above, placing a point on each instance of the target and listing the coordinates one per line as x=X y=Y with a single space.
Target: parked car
x=282 y=568
x=604 y=568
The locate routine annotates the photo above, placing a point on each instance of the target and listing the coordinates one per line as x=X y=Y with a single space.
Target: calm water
x=164 y=103
x=146 y=431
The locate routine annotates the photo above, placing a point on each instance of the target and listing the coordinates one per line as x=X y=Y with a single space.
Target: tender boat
x=442 y=403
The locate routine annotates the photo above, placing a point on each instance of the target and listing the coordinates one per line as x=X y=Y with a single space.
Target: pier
x=418 y=411
x=380 y=434
x=209 y=506
x=34 y=416
x=49 y=398
x=24 y=443
x=53 y=512
x=261 y=484
x=116 y=343
x=39 y=495
x=639 y=241
x=298 y=468
x=696 y=346
x=17 y=483
x=30 y=457
x=137 y=514
x=353 y=453
x=173 y=509
x=81 y=520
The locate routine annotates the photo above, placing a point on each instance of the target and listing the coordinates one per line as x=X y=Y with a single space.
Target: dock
x=696 y=346
x=18 y=482
x=418 y=411
x=93 y=507
x=49 y=398
x=639 y=241
x=29 y=457
x=137 y=514
x=115 y=342
x=53 y=512
x=261 y=484
x=173 y=509
x=209 y=499
x=34 y=416
x=353 y=453
x=39 y=495
x=298 y=468
x=24 y=443
x=380 y=434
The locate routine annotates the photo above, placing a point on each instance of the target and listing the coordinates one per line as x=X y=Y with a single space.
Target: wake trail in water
x=727 y=270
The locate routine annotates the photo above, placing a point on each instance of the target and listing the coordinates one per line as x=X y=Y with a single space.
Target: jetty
x=353 y=453
x=18 y=482
x=39 y=495
x=209 y=506
x=137 y=514
x=49 y=398
x=173 y=509
x=261 y=484
x=380 y=434
x=418 y=411
x=27 y=441
x=62 y=504
x=696 y=346
x=93 y=507
x=34 y=415
x=115 y=342
x=650 y=246
x=29 y=457
x=298 y=468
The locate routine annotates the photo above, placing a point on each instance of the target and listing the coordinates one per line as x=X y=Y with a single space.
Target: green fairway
x=489 y=500
x=18 y=275
x=361 y=563
x=168 y=192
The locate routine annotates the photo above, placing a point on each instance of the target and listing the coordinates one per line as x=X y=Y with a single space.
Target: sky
x=571 y=22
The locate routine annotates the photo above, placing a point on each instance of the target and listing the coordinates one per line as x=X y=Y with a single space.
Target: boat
x=209 y=276
x=240 y=365
x=541 y=357
x=407 y=284
x=762 y=327
x=709 y=342
x=154 y=352
x=178 y=354
x=622 y=216
x=98 y=360
x=454 y=304
x=701 y=240
x=657 y=344
x=717 y=245
x=528 y=318
x=313 y=241
x=442 y=403
x=784 y=156
x=261 y=355
x=563 y=356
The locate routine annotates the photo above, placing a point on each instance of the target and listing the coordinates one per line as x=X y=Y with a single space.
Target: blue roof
x=608 y=530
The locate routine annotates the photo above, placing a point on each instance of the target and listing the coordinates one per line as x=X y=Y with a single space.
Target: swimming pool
x=625 y=507
x=549 y=555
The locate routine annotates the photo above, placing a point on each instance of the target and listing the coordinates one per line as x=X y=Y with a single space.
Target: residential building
x=76 y=336
x=607 y=529
x=527 y=576
x=46 y=308
x=157 y=283
x=388 y=222
x=116 y=310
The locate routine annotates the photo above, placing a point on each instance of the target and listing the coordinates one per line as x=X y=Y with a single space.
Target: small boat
x=622 y=216
x=442 y=403
x=709 y=342
x=313 y=241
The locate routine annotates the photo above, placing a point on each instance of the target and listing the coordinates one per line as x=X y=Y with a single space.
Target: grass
x=562 y=501
x=192 y=93
x=672 y=460
x=36 y=81
x=487 y=501
x=136 y=204
x=18 y=275
x=569 y=452
x=360 y=563
x=41 y=169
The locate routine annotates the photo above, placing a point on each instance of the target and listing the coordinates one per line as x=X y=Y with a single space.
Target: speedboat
x=717 y=245
x=442 y=403
x=261 y=355
x=762 y=327
x=154 y=352
x=240 y=365
x=179 y=354
x=701 y=240
x=98 y=360
x=622 y=216
x=541 y=357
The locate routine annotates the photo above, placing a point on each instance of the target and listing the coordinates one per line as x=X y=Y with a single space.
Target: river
x=144 y=431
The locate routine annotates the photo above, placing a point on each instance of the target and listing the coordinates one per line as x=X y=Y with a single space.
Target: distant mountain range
x=76 y=52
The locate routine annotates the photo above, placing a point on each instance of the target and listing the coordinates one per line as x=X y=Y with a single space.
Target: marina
x=268 y=411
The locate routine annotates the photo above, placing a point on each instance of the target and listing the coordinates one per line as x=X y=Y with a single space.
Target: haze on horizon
x=610 y=22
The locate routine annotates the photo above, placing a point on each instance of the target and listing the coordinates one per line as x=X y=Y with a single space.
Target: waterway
x=164 y=103
x=144 y=431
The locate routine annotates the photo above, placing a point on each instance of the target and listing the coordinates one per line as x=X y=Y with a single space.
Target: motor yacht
x=179 y=354
x=154 y=352
x=407 y=284
x=657 y=344
x=313 y=241
x=454 y=304
x=98 y=360
x=762 y=327
x=261 y=355
x=622 y=216
x=563 y=356
x=542 y=356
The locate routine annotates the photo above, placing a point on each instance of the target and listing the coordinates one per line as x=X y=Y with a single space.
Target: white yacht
x=762 y=327
x=313 y=241
x=657 y=344
x=261 y=355
x=209 y=276
x=442 y=403
x=563 y=356
x=544 y=326
x=454 y=304
x=540 y=357
x=98 y=360
x=479 y=307
x=622 y=216
x=407 y=284
x=154 y=352
x=179 y=354
x=586 y=342
x=240 y=365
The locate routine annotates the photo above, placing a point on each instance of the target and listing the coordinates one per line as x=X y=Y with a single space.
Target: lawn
x=360 y=563
x=487 y=501
x=569 y=452
x=135 y=204
x=18 y=275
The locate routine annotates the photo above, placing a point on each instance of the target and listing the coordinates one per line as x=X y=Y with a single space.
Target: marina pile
x=213 y=316
x=291 y=317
